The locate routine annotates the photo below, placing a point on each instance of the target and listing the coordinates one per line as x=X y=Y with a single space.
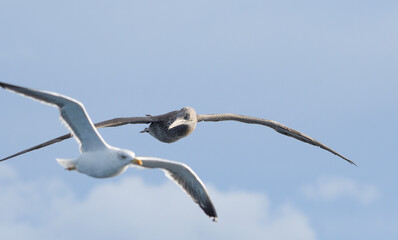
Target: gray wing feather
x=280 y=128
x=134 y=120
x=186 y=178
x=72 y=112
x=123 y=121
x=52 y=141
x=109 y=123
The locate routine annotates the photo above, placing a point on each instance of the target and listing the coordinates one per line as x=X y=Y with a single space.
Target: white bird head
x=127 y=157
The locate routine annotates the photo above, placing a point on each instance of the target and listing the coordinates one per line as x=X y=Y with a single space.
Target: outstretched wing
x=269 y=123
x=109 y=123
x=124 y=121
x=52 y=141
x=186 y=178
x=115 y=122
x=134 y=120
x=72 y=112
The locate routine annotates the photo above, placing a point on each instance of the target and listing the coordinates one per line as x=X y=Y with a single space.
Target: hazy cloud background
x=327 y=69
x=331 y=189
x=130 y=208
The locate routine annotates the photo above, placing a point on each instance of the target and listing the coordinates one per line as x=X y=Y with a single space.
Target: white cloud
x=132 y=209
x=330 y=189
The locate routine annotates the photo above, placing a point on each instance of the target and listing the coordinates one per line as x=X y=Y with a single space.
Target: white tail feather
x=67 y=163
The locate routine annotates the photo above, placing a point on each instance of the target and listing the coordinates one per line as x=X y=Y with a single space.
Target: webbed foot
x=146 y=130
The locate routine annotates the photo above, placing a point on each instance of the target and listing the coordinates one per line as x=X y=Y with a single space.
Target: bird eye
x=186 y=117
x=123 y=156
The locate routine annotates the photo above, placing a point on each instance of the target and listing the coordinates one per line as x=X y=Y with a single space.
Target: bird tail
x=68 y=164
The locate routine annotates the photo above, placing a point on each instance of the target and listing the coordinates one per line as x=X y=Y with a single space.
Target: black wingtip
x=210 y=211
x=8 y=86
x=352 y=163
x=348 y=160
x=3 y=159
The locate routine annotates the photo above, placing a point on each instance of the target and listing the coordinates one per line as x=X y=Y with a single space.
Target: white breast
x=100 y=164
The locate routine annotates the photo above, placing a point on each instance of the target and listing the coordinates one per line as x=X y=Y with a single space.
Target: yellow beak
x=137 y=161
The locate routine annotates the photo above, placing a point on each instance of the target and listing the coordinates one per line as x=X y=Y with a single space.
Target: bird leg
x=146 y=130
x=71 y=168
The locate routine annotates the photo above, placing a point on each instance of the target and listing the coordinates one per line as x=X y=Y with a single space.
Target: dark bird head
x=172 y=126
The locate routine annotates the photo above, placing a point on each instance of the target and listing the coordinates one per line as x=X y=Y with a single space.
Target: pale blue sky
x=328 y=69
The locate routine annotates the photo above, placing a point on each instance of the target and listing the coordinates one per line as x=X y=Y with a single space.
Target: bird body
x=104 y=163
x=161 y=132
x=173 y=126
